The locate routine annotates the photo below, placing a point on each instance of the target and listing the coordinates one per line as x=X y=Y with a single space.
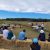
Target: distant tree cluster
x=28 y=19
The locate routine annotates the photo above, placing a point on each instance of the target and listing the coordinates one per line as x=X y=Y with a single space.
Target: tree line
x=28 y=19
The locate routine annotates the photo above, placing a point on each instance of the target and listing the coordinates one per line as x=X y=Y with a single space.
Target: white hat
x=41 y=31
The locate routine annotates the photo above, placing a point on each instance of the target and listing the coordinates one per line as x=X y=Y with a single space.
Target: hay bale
x=23 y=43
x=8 y=42
x=47 y=44
x=44 y=44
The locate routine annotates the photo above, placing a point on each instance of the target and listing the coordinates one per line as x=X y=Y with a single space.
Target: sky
x=30 y=8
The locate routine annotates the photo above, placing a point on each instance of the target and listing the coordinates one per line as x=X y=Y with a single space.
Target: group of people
x=9 y=35
x=38 y=27
x=41 y=37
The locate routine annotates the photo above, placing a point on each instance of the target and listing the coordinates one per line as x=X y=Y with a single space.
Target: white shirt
x=42 y=25
x=5 y=33
x=37 y=27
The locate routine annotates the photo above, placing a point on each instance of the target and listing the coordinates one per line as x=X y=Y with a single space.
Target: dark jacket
x=35 y=46
x=10 y=35
x=42 y=37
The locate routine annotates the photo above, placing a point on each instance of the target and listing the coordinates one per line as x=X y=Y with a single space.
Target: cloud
x=40 y=6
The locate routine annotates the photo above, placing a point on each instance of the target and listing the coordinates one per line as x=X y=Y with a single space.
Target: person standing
x=42 y=26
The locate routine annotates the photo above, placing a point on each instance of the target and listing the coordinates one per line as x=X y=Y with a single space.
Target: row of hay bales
x=24 y=43
x=43 y=44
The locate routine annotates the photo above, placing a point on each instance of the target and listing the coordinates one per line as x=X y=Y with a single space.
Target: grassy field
x=29 y=32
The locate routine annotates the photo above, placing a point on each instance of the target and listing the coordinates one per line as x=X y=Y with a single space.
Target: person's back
x=10 y=35
x=42 y=36
x=35 y=45
x=21 y=36
x=42 y=26
x=5 y=33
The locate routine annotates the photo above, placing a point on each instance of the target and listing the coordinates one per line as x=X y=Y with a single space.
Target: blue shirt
x=21 y=35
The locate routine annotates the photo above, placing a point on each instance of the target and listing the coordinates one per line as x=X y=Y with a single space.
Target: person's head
x=41 y=31
x=24 y=30
x=35 y=40
x=5 y=27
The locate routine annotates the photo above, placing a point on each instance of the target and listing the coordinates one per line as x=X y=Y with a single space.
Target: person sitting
x=11 y=36
x=42 y=35
x=35 y=45
x=49 y=38
x=5 y=32
x=22 y=35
